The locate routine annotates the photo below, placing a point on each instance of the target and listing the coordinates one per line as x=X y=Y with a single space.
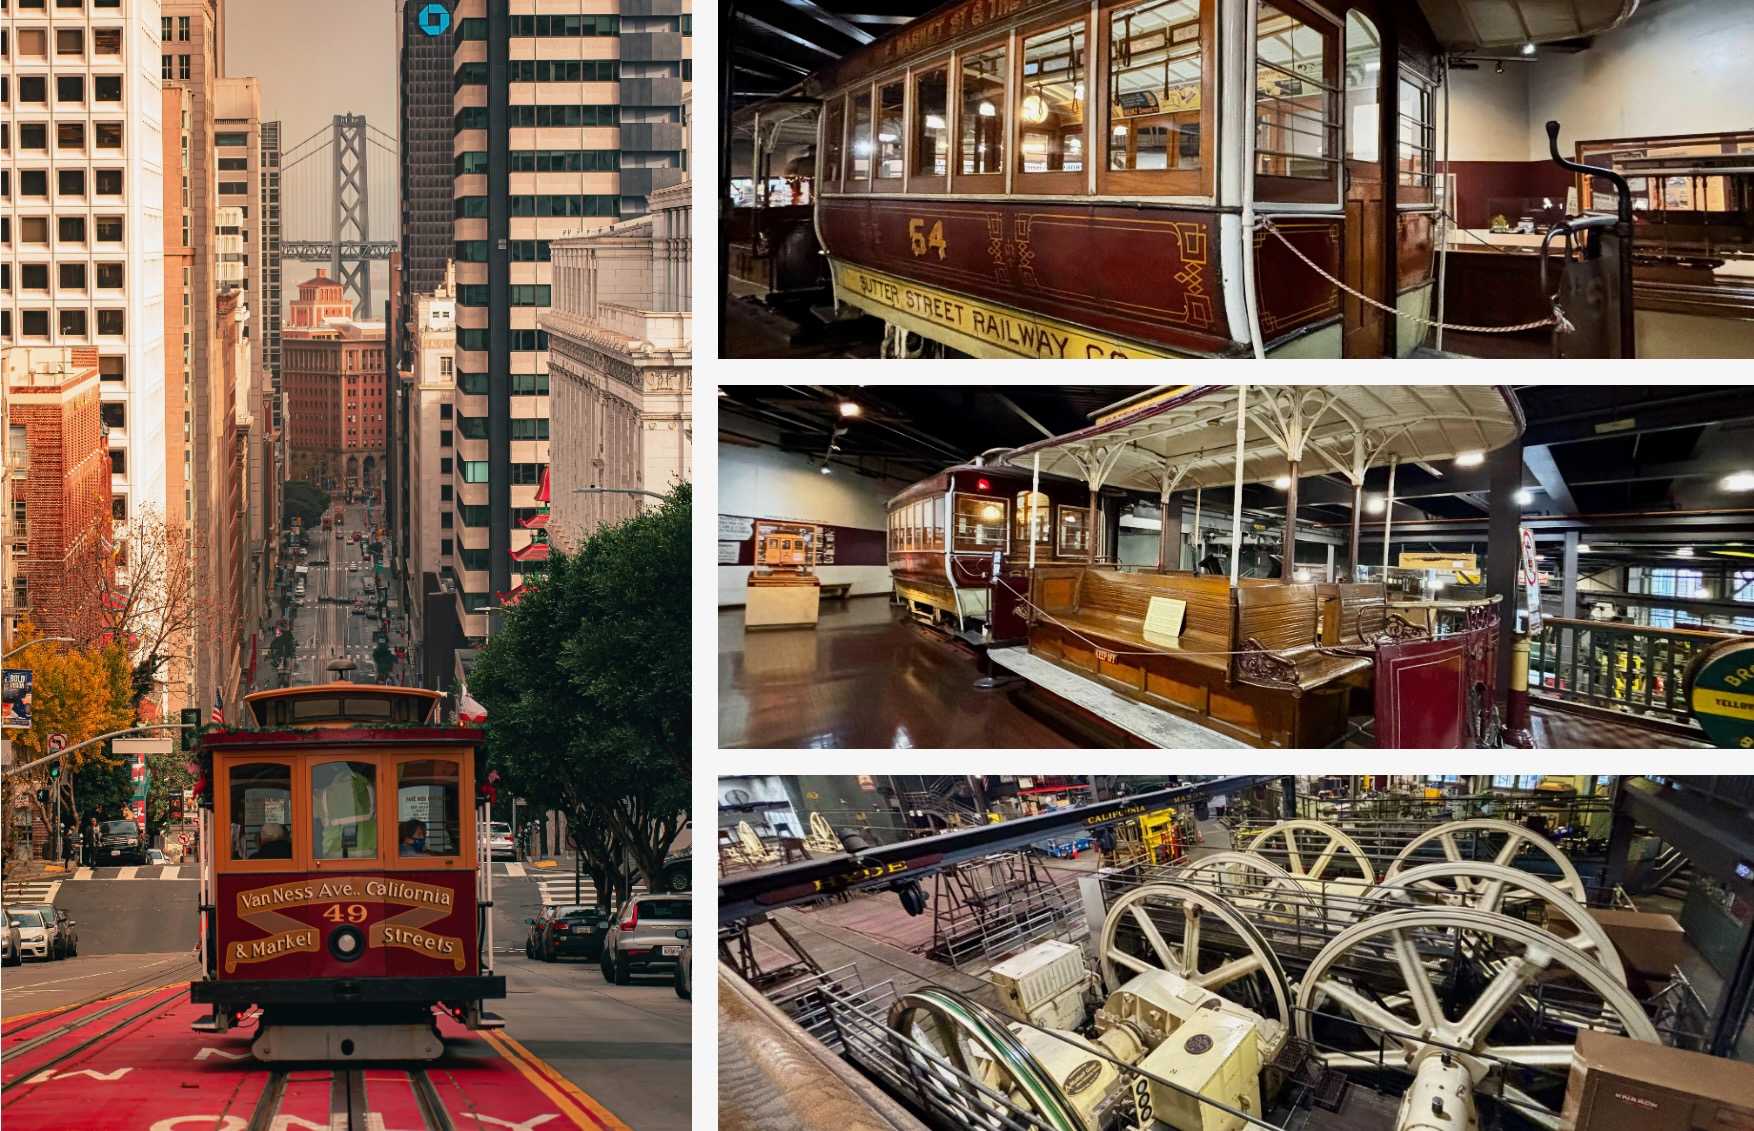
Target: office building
x=335 y=390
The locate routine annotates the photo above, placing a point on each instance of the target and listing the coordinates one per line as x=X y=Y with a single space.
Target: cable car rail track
x=26 y=1022
x=159 y=1001
x=349 y=1106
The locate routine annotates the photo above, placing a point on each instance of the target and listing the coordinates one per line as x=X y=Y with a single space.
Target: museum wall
x=764 y=482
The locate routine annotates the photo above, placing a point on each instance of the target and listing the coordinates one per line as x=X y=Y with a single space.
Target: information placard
x=1163 y=620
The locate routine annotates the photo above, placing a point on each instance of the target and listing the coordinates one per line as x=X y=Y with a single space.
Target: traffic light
x=191 y=720
x=54 y=770
x=42 y=797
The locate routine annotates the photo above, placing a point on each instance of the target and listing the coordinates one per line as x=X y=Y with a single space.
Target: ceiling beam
x=1698 y=406
x=838 y=23
x=1539 y=460
x=781 y=33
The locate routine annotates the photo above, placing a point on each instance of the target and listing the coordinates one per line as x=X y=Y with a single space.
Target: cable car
x=345 y=883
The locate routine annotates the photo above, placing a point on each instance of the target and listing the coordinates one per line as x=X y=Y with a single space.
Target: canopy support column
x=1168 y=534
x=1242 y=394
x=1090 y=531
x=1288 y=547
x=1357 y=521
x=1199 y=542
x=1034 y=508
x=1388 y=515
x=1504 y=552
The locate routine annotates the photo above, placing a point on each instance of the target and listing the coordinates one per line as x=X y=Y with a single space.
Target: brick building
x=60 y=471
x=335 y=390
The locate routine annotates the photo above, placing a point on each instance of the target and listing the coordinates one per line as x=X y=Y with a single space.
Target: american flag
x=217 y=718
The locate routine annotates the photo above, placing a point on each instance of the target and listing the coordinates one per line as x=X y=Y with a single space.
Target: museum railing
x=1629 y=668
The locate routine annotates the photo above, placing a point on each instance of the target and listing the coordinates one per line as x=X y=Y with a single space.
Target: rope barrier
x=1557 y=320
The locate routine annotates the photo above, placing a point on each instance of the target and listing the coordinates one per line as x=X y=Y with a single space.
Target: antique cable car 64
x=345 y=883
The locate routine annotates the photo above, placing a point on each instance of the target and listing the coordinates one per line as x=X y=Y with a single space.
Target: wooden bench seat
x=1092 y=620
x=1356 y=616
x=1277 y=631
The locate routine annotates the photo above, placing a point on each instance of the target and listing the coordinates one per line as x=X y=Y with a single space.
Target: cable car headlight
x=346 y=943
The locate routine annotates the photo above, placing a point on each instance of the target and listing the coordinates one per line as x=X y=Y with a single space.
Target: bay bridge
x=332 y=206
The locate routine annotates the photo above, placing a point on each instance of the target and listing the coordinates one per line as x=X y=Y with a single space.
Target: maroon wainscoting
x=1150 y=274
x=1292 y=295
x=1478 y=183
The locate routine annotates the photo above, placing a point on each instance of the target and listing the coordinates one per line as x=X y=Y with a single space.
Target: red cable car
x=345 y=883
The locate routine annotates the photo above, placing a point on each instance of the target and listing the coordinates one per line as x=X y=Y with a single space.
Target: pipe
x=1249 y=299
x=1388 y=516
x=1443 y=216
x=1034 y=510
x=1242 y=393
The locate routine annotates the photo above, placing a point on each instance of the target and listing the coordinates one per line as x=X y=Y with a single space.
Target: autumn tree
x=143 y=595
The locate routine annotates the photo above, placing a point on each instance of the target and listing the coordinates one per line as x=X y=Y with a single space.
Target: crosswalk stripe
x=514 y=870
x=171 y=872
x=82 y=874
x=127 y=873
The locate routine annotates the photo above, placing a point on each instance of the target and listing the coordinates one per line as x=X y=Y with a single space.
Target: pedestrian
x=91 y=841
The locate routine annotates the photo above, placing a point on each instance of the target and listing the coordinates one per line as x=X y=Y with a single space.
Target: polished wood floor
x=863 y=678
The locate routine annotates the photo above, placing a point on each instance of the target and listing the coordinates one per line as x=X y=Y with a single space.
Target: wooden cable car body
x=945 y=530
x=345 y=883
x=1042 y=178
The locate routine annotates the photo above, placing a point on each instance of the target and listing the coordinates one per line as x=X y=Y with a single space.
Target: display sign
x=1532 y=580
x=735 y=529
x=1720 y=691
x=1163 y=620
x=1438 y=561
x=16 y=692
x=728 y=552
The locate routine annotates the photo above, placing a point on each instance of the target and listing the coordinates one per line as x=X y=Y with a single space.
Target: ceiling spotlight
x=850 y=408
x=1584 y=548
x=1470 y=459
x=1524 y=497
x=826 y=470
x=1528 y=49
x=1375 y=504
x=1684 y=552
x=1283 y=482
x=1738 y=481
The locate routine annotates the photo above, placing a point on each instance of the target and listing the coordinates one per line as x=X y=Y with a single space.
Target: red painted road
x=145 y=1070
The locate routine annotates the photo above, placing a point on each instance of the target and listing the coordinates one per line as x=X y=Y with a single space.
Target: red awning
x=542 y=495
x=535 y=522
x=534 y=552
x=508 y=599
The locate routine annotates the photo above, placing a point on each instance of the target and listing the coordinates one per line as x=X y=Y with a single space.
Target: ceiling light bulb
x=1283 y=482
x=1524 y=497
x=1035 y=109
x=1738 y=481
x=1528 y=49
x=1584 y=548
x=849 y=408
x=987 y=110
x=934 y=122
x=1470 y=459
x=1684 y=552
x=1375 y=504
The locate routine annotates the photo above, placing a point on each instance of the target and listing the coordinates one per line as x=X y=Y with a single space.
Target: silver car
x=646 y=936
x=33 y=933
x=63 y=932
x=9 y=955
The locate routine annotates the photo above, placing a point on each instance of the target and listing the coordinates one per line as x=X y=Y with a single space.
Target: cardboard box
x=1619 y=1084
x=1650 y=944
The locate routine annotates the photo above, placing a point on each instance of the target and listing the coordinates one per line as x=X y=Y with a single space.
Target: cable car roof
x=1474 y=25
x=1186 y=435
x=339 y=687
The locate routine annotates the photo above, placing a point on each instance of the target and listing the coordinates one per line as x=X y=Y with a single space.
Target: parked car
x=567 y=930
x=56 y=922
x=154 y=856
x=118 y=842
x=646 y=936
x=34 y=939
x=685 y=971
x=9 y=954
x=678 y=873
x=66 y=928
x=499 y=841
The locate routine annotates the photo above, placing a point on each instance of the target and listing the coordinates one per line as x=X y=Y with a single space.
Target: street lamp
x=38 y=640
x=616 y=491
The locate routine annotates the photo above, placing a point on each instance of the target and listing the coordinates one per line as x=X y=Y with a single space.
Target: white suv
x=646 y=936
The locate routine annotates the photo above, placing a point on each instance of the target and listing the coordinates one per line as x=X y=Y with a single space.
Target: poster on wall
x=728 y=552
x=735 y=529
x=826 y=556
x=17 y=698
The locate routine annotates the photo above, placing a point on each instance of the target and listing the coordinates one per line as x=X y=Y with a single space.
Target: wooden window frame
x=374 y=863
x=1058 y=183
x=223 y=764
x=1060 y=551
x=849 y=182
x=1274 y=189
x=832 y=182
x=464 y=860
x=993 y=182
x=1162 y=182
x=918 y=181
x=881 y=183
x=955 y=541
x=1407 y=195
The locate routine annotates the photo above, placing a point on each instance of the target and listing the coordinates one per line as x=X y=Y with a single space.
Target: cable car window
x=1043 y=521
x=859 y=144
x=428 y=804
x=938 y=523
x=1363 y=83
x=1418 y=138
x=931 y=123
x=980 y=523
x=1051 y=109
x=1155 y=85
x=261 y=811
x=834 y=124
x=980 y=121
x=891 y=98
x=1074 y=538
x=1296 y=104
x=344 y=810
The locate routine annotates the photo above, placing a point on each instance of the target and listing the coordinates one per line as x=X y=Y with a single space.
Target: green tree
x=384 y=659
x=169 y=777
x=104 y=787
x=586 y=685
x=305 y=501
x=283 y=649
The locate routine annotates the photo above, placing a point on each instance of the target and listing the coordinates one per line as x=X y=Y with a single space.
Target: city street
x=327 y=629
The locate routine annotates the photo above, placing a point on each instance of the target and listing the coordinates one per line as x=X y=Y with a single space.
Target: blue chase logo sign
x=435 y=19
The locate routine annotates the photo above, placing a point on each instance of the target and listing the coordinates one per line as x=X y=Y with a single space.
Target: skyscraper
x=564 y=124
x=81 y=239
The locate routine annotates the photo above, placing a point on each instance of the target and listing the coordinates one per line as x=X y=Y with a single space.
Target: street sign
x=1720 y=690
x=15 y=685
x=57 y=742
